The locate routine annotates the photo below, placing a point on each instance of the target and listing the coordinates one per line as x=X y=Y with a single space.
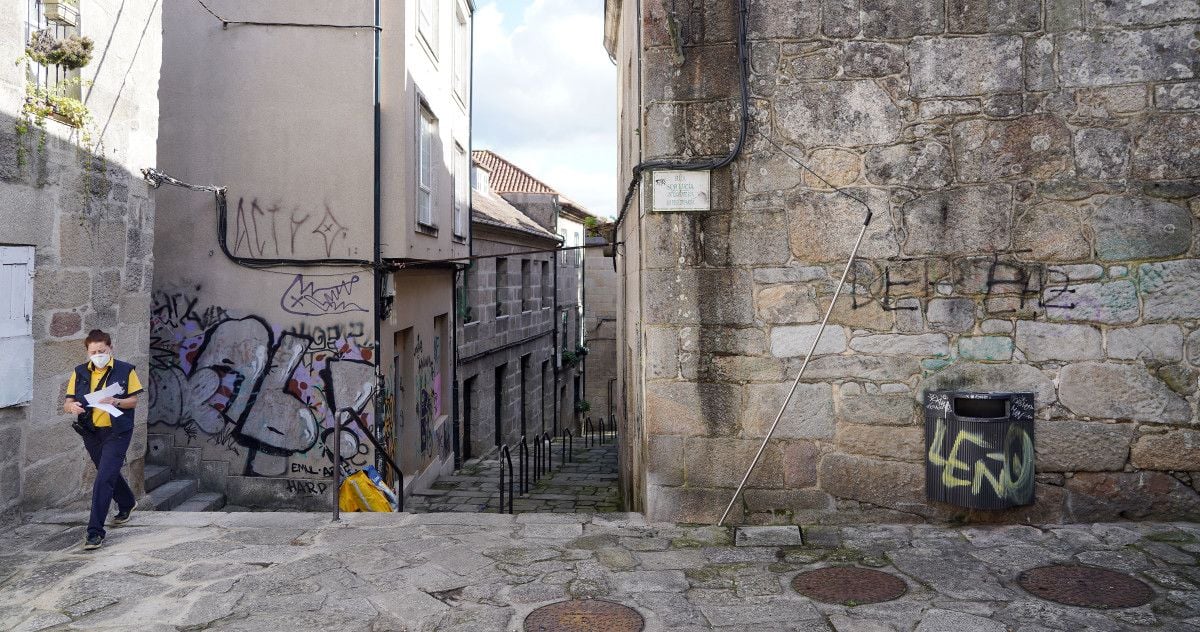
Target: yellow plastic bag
x=358 y=493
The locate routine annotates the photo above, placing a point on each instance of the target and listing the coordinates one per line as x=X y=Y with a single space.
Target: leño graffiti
x=980 y=461
x=265 y=395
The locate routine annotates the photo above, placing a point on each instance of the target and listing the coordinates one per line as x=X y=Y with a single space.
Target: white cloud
x=545 y=95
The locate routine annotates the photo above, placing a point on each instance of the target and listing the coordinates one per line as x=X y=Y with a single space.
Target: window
x=462 y=55
x=526 y=285
x=426 y=133
x=427 y=24
x=53 y=79
x=562 y=254
x=16 y=325
x=462 y=190
x=547 y=288
x=501 y=283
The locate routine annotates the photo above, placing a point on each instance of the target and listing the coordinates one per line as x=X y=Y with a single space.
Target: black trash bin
x=979 y=448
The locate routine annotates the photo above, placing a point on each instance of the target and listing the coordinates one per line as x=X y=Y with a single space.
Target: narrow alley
x=585 y=483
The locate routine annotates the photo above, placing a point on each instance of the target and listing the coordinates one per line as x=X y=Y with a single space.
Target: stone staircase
x=173 y=478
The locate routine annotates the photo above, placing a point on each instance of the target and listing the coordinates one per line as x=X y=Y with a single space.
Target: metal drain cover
x=849 y=584
x=1085 y=586
x=584 y=615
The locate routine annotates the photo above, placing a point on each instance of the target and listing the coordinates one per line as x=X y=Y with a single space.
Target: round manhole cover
x=849 y=585
x=1085 y=586
x=584 y=615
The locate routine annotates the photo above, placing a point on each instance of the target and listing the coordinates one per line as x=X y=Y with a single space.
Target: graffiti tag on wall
x=270 y=231
x=322 y=297
x=1006 y=284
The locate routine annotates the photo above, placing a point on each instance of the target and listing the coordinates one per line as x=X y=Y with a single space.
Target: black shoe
x=93 y=542
x=123 y=516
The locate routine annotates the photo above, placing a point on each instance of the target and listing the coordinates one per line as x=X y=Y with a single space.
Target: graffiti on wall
x=1006 y=284
x=266 y=395
x=269 y=230
x=323 y=296
x=428 y=391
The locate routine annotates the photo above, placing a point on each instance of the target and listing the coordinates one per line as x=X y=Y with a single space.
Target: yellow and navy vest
x=118 y=373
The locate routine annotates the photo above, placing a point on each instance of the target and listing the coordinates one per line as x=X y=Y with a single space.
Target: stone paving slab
x=486 y=571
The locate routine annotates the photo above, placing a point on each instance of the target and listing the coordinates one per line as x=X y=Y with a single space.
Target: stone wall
x=1034 y=171
x=600 y=328
x=89 y=216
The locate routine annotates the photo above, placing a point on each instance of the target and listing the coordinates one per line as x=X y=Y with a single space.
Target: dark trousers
x=107 y=449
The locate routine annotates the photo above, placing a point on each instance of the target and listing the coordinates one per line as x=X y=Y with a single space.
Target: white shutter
x=16 y=325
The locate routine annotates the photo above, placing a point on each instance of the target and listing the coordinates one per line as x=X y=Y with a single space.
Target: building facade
x=600 y=281
x=565 y=218
x=1032 y=171
x=507 y=356
x=76 y=229
x=315 y=286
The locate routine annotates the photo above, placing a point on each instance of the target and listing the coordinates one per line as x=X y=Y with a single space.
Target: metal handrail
x=506 y=455
x=387 y=458
x=523 y=458
x=549 y=441
x=337 y=466
x=589 y=433
x=537 y=459
x=568 y=454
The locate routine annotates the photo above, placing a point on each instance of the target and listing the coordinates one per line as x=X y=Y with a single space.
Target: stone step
x=170 y=494
x=155 y=476
x=203 y=501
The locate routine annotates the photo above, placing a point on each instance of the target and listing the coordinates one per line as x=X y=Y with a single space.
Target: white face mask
x=100 y=359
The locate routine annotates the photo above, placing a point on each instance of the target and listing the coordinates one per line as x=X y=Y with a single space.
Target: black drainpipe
x=582 y=315
x=455 y=434
x=377 y=202
x=555 y=347
x=458 y=447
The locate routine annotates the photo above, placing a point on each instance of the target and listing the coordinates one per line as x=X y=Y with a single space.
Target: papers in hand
x=112 y=390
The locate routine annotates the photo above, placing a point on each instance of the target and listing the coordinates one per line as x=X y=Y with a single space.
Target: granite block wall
x=1034 y=173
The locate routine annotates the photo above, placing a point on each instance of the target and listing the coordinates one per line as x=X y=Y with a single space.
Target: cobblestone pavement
x=588 y=483
x=483 y=572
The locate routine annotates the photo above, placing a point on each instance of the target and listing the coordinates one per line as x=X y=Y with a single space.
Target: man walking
x=106 y=436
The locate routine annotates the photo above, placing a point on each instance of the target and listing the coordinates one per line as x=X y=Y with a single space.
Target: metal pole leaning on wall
x=812 y=349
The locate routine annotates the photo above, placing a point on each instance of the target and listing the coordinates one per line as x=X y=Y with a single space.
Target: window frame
x=426 y=145
x=461 y=56
x=429 y=39
x=461 y=193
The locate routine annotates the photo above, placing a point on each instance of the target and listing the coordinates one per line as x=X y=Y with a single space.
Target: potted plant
x=569 y=358
x=72 y=52
x=65 y=12
x=582 y=406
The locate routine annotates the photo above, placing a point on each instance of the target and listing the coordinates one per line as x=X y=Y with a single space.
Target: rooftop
x=507 y=177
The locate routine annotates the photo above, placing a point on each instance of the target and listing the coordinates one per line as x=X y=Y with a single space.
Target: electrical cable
x=704 y=165
x=226 y=23
x=157 y=178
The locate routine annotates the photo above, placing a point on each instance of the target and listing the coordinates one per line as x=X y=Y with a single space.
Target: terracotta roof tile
x=507 y=177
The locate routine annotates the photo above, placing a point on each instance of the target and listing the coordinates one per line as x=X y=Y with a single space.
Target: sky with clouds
x=545 y=94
